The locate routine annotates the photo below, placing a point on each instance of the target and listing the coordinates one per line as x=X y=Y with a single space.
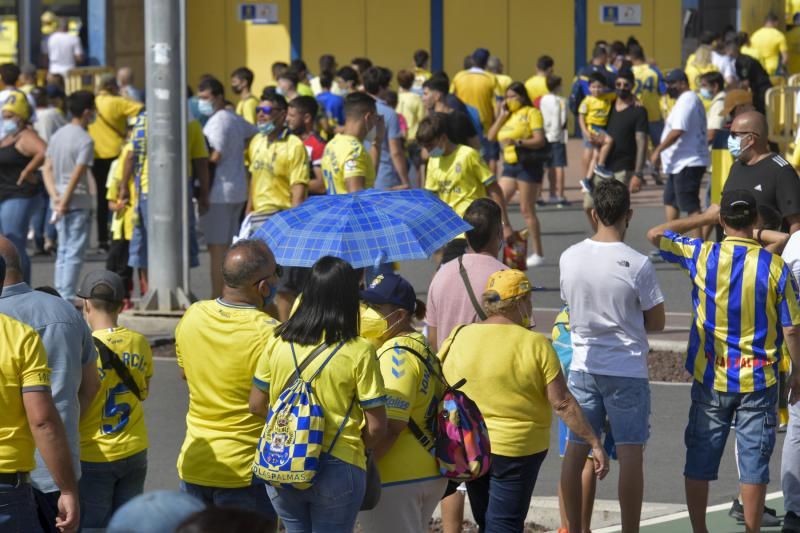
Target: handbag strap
x=109 y=358
x=463 y=271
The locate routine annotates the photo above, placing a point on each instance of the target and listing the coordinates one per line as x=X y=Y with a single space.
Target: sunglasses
x=264 y=109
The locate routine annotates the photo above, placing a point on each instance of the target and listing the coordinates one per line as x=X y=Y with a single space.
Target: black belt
x=15 y=478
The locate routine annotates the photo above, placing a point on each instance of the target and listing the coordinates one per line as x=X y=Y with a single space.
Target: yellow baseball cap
x=507 y=284
x=17 y=103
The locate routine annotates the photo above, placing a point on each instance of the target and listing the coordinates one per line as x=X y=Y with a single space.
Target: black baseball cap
x=391 y=289
x=676 y=75
x=738 y=202
x=102 y=285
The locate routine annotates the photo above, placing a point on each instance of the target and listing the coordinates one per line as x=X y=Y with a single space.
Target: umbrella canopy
x=365 y=228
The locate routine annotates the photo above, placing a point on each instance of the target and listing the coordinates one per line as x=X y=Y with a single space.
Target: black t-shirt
x=459 y=128
x=622 y=127
x=748 y=68
x=772 y=181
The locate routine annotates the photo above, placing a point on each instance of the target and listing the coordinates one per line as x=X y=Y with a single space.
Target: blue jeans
x=18 y=509
x=332 y=503
x=105 y=487
x=15 y=218
x=137 y=249
x=500 y=500
x=710 y=418
x=40 y=220
x=251 y=498
x=655 y=129
x=73 y=237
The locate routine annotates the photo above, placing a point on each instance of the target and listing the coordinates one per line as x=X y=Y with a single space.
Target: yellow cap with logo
x=17 y=103
x=507 y=284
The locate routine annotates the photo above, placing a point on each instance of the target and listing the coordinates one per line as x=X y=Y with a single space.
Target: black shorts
x=682 y=190
x=558 y=155
x=532 y=173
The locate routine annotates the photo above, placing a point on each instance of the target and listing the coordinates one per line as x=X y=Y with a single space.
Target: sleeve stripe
x=263 y=386
x=36 y=388
x=366 y=404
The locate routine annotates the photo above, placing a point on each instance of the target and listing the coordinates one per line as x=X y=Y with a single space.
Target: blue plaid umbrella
x=365 y=228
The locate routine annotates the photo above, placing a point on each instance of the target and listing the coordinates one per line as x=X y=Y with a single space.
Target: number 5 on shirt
x=112 y=410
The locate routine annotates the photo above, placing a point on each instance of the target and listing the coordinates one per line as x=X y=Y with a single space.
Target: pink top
x=448 y=302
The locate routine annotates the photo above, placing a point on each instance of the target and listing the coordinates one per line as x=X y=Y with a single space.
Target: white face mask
x=371 y=134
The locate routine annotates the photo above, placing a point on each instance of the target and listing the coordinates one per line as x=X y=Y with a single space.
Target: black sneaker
x=737 y=511
x=769 y=519
x=791 y=523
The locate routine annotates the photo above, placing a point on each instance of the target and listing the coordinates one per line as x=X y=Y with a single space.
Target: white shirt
x=691 y=148
x=228 y=133
x=554 y=114
x=62 y=47
x=606 y=306
x=791 y=254
x=726 y=65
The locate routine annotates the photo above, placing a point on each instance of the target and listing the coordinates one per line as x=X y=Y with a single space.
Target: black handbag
x=528 y=157
x=372 y=494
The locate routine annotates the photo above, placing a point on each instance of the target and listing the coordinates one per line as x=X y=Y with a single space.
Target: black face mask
x=673 y=92
x=624 y=93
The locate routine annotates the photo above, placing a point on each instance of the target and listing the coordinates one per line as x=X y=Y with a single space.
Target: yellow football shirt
x=304 y=89
x=113 y=427
x=413 y=110
x=122 y=221
x=519 y=419
x=694 y=72
x=420 y=76
x=459 y=178
x=411 y=392
x=108 y=130
x=770 y=43
x=344 y=158
x=246 y=108
x=23 y=366
x=536 y=86
x=275 y=167
x=477 y=88
x=793 y=44
x=502 y=83
x=195 y=142
x=218 y=345
x=353 y=372
x=596 y=109
x=520 y=125
x=647 y=90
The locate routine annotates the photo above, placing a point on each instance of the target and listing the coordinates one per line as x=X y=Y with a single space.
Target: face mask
x=624 y=93
x=236 y=89
x=371 y=134
x=340 y=91
x=389 y=327
x=706 y=93
x=205 y=107
x=513 y=105
x=9 y=127
x=436 y=152
x=280 y=91
x=735 y=146
x=673 y=92
x=266 y=127
x=373 y=325
x=273 y=292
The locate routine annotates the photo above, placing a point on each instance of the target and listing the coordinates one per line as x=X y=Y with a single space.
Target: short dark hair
x=438 y=82
x=213 y=85
x=362 y=63
x=598 y=77
x=305 y=104
x=298 y=65
x=227 y=519
x=391 y=98
x=741 y=220
x=431 y=128
x=348 y=74
x=374 y=79
x=713 y=78
x=245 y=74
x=9 y=73
x=599 y=51
x=276 y=99
x=636 y=51
x=328 y=308
x=405 y=79
x=485 y=217
x=277 y=68
x=626 y=73
x=618 y=48
x=78 y=102
x=469 y=62
x=421 y=57
x=772 y=18
x=104 y=306
x=255 y=255
x=553 y=82
x=291 y=75
x=519 y=89
x=325 y=79
x=545 y=62
x=612 y=201
x=708 y=37
x=358 y=104
x=327 y=64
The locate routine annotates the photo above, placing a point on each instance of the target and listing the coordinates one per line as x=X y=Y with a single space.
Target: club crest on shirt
x=623 y=263
x=350 y=165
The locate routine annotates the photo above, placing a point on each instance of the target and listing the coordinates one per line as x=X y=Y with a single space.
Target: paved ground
x=166 y=407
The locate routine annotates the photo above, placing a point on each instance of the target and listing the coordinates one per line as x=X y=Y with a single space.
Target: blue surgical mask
x=436 y=152
x=735 y=146
x=266 y=127
x=273 y=292
x=205 y=107
x=706 y=93
x=10 y=127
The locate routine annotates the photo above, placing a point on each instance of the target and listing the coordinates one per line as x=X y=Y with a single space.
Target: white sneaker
x=534 y=260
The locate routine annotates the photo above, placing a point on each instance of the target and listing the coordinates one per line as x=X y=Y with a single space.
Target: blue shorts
x=655 y=128
x=682 y=190
x=558 y=155
x=710 y=417
x=490 y=150
x=594 y=129
x=528 y=174
x=625 y=401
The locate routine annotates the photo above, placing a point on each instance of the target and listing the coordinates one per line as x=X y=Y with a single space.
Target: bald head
x=247 y=262
x=9 y=255
x=755 y=123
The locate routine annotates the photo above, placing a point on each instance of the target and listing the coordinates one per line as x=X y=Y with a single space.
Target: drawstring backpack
x=291 y=442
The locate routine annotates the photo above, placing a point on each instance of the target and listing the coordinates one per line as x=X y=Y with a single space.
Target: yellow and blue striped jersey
x=742 y=297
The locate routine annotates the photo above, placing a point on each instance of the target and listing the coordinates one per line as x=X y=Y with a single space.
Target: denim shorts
x=490 y=150
x=596 y=130
x=625 y=401
x=710 y=417
x=528 y=173
x=682 y=190
x=558 y=155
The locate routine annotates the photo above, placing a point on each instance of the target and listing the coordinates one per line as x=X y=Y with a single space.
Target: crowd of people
x=371 y=361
